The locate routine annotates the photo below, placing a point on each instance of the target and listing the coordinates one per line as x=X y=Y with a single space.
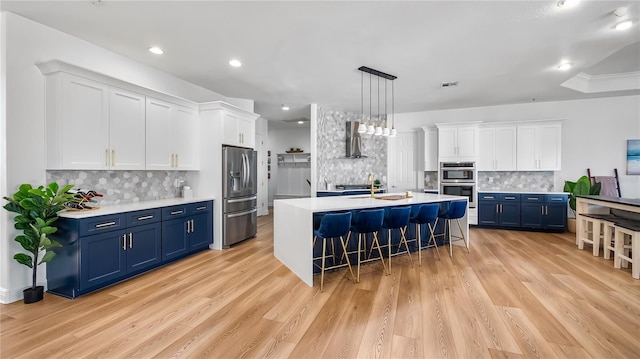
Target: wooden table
x=603 y=205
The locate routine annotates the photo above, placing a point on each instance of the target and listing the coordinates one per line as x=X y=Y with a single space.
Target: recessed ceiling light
x=568 y=3
x=235 y=63
x=156 y=50
x=285 y=108
x=300 y=122
x=564 y=66
x=625 y=25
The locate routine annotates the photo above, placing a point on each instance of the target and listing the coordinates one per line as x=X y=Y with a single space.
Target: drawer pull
x=201 y=208
x=509 y=198
x=176 y=212
x=108 y=224
x=144 y=217
x=489 y=197
x=532 y=199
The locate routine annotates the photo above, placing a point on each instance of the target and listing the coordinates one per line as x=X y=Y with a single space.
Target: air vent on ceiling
x=449 y=84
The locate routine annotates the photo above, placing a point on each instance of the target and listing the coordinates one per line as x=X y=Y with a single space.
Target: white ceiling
x=296 y=53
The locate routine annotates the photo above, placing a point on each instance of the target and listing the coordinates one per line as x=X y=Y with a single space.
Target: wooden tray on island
x=391 y=197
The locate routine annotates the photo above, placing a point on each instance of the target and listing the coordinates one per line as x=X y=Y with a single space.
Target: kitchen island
x=293 y=223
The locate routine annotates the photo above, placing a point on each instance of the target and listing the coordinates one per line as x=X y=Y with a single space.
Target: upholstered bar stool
x=333 y=225
x=627 y=244
x=456 y=211
x=368 y=221
x=397 y=218
x=426 y=214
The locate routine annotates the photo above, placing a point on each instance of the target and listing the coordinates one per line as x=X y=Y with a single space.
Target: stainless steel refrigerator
x=240 y=187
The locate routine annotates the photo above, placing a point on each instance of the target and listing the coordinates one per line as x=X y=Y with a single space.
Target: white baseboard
x=10 y=296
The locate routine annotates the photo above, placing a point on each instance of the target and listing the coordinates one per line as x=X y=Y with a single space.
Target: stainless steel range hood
x=354 y=141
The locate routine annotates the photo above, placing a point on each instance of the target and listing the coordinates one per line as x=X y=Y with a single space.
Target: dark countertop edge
x=628 y=201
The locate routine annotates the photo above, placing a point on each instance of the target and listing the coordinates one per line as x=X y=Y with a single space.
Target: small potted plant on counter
x=37 y=210
x=581 y=187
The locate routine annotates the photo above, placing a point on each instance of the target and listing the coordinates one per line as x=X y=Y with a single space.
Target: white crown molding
x=586 y=83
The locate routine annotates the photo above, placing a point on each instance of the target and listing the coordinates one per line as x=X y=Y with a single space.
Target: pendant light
x=362 y=127
x=379 y=121
x=393 y=132
x=370 y=129
x=386 y=131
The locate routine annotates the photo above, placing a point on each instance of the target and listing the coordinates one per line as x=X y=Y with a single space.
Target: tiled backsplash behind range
x=331 y=143
x=122 y=186
x=533 y=181
x=431 y=180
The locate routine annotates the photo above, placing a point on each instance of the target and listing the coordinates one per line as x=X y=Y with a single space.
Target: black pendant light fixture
x=371 y=127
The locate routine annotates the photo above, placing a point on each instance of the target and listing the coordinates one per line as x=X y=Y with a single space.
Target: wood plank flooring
x=516 y=295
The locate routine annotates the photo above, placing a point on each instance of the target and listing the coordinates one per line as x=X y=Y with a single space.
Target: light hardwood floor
x=516 y=295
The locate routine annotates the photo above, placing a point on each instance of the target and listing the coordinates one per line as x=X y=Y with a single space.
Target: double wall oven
x=459 y=179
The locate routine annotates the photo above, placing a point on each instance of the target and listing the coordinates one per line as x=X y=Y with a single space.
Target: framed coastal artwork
x=633 y=157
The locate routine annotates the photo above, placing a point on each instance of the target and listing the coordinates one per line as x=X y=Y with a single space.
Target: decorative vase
x=31 y=295
x=571 y=225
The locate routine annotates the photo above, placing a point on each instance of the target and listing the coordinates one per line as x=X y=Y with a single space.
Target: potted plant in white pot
x=37 y=210
x=581 y=187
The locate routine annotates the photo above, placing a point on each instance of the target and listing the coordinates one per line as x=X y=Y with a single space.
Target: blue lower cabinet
x=499 y=210
x=545 y=211
x=103 y=250
x=522 y=210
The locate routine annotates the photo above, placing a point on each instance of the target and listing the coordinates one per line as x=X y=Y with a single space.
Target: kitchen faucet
x=370 y=182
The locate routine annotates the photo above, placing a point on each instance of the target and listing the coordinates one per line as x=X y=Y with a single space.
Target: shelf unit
x=302 y=160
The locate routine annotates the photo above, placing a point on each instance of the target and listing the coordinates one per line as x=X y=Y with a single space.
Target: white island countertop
x=129 y=207
x=293 y=223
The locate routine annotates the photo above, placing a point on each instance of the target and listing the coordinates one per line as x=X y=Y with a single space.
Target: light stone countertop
x=129 y=207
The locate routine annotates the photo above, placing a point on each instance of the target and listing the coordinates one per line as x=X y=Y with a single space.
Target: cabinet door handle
x=177 y=160
x=144 y=217
x=497 y=209
x=130 y=240
x=107 y=224
x=542 y=210
x=113 y=157
x=106 y=157
x=192 y=227
x=124 y=242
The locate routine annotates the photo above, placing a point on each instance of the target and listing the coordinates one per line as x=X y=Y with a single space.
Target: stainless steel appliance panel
x=459 y=189
x=239 y=204
x=239 y=176
x=240 y=187
x=458 y=172
x=239 y=226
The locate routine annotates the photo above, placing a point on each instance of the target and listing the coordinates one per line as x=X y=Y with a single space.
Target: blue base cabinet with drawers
x=103 y=250
x=522 y=210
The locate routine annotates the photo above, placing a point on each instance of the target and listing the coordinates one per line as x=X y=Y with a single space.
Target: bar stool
x=594 y=230
x=627 y=244
x=397 y=218
x=368 y=221
x=456 y=211
x=333 y=225
x=426 y=214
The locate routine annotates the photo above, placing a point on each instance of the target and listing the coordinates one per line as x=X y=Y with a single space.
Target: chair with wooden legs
x=397 y=218
x=333 y=225
x=457 y=209
x=627 y=244
x=368 y=221
x=596 y=229
x=426 y=214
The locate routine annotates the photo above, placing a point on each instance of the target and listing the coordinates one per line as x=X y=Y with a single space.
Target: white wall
x=280 y=140
x=25 y=43
x=594 y=132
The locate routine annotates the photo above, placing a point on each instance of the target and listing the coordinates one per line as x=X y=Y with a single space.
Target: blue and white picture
x=633 y=157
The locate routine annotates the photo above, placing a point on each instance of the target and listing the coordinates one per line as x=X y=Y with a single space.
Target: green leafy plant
x=37 y=210
x=581 y=187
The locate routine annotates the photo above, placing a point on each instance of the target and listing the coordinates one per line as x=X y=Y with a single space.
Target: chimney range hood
x=354 y=141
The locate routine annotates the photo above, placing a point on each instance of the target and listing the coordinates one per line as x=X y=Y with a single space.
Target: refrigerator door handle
x=242 y=199
x=242 y=213
x=245 y=159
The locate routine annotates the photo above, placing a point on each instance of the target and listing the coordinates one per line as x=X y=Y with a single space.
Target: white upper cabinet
x=539 y=147
x=172 y=136
x=126 y=130
x=238 y=129
x=430 y=149
x=458 y=142
x=92 y=126
x=497 y=148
